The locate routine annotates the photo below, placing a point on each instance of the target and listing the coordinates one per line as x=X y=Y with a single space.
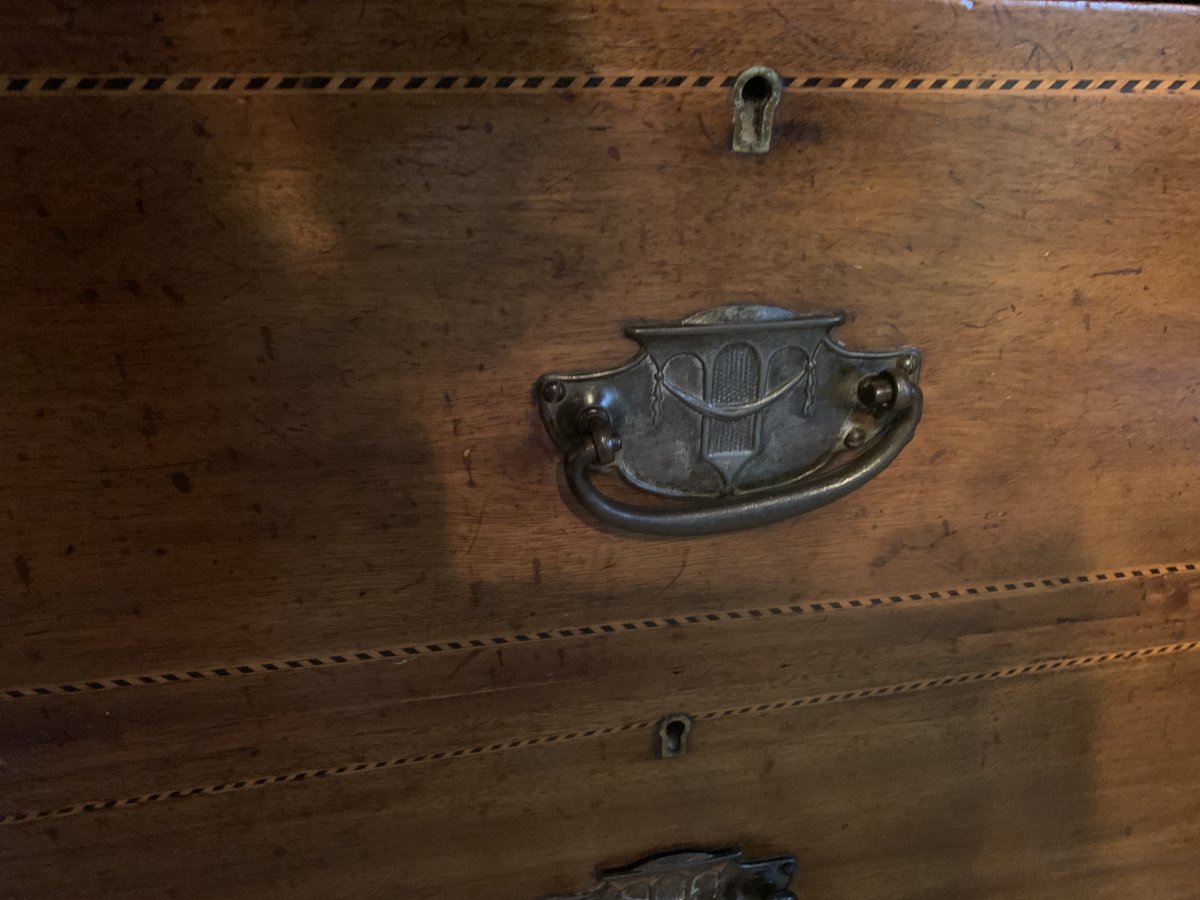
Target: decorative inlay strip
x=1042 y=667
x=241 y=84
x=406 y=651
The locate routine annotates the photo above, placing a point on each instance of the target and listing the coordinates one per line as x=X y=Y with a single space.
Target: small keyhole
x=756 y=89
x=673 y=731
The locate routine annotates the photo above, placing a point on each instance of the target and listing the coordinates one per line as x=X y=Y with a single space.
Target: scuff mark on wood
x=267 y=341
x=22 y=566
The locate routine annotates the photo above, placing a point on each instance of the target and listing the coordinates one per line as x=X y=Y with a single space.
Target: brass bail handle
x=736 y=417
x=598 y=447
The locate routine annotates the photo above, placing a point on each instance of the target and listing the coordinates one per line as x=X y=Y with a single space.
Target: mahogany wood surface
x=275 y=503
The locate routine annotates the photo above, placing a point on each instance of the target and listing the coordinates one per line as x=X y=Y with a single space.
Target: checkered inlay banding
x=247 y=83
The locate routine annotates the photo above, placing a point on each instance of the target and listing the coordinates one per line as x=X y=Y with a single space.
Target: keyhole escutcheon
x=755 y=96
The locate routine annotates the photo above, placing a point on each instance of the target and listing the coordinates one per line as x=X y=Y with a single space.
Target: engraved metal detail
x=695 y=875
x=733 y=402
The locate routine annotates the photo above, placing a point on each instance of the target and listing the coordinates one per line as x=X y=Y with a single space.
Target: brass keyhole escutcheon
x=755 y=95
x=673 y=733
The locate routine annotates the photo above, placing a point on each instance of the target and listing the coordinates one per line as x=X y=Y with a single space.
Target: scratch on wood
x=478 y=525
x=995 y=317
x=465 y=661
x=1133 y=270
x=671 y=583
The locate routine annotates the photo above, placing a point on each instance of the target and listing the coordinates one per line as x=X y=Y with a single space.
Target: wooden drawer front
x=293 y=390
x=283 y=523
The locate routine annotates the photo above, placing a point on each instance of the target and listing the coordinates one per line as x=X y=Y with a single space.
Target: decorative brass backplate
x=747 y=414
x=695 y=875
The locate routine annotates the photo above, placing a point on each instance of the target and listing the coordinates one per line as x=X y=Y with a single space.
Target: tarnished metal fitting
x=877 y=392
x=756 y=93
x=596 y=422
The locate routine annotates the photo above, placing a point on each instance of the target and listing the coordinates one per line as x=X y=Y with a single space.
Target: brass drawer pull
x=743 y=415
x=695 y=875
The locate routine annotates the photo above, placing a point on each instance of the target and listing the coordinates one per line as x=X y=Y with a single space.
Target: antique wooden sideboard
x=296 y=600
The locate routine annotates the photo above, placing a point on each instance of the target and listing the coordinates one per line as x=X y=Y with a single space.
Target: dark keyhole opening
x=675 y=732
x=756 y=89
x=673 y=735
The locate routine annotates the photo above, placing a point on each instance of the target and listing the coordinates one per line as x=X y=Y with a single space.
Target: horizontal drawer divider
x=408 y=651
x=1038 y=667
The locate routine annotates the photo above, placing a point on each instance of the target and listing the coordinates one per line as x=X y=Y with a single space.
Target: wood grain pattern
x=268 y=378
x=266 y=370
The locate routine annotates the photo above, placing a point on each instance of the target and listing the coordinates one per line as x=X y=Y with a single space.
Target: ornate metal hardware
x=695 y=875
x=743 y=415
x=755 y=95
